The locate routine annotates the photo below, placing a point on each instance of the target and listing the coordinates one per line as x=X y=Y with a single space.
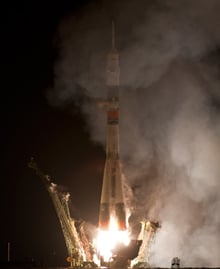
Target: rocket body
x=112 y=199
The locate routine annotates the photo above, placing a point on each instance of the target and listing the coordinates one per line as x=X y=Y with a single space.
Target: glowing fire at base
x=108 y=240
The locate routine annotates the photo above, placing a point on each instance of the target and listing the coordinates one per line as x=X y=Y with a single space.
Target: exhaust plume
x=169 y=102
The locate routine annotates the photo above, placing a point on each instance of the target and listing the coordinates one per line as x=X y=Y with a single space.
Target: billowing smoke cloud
x=169 y=103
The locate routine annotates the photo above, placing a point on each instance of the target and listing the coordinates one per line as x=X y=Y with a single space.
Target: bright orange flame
x=108 y=240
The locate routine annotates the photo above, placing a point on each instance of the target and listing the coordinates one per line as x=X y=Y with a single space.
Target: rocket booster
x=112 y=199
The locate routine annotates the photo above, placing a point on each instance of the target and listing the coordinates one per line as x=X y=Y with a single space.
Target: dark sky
x=169 y=53
x=56 y=138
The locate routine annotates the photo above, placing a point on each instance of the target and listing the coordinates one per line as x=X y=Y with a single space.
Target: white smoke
x=169 y=123
x=190 y=228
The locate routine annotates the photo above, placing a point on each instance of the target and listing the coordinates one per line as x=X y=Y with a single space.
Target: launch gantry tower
x=76 y=242
x=146 y=235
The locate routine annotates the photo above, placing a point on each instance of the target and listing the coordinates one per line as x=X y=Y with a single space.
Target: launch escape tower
x=112 y=200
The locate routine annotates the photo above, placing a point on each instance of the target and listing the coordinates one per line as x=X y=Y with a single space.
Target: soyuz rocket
x=112 y=200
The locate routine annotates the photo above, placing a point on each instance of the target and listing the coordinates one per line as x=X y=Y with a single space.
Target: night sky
x=56 y=138
x=53 y=54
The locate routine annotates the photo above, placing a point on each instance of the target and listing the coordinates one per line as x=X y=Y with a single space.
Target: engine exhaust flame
x=107 y=240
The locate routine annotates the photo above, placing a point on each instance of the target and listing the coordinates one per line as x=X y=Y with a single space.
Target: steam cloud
x=169 y=105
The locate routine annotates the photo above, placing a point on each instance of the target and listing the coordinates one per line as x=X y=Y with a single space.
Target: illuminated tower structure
x=112 y=204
